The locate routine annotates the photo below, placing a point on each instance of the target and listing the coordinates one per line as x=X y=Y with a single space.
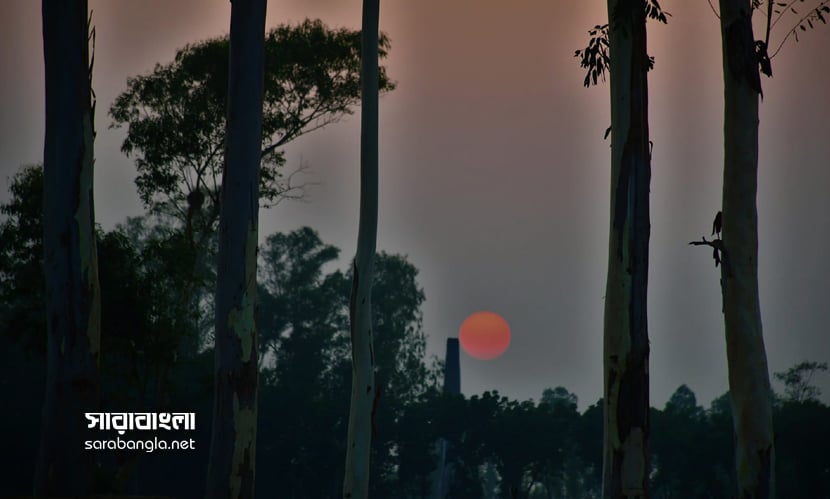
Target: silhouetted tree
x=73 y=299
x=22 y=325
x=175 y=117
x=798 y=386
x=22 y=284
x=559 y=468
x=304 y=330
x=232 y=463
x=802 y=436
x=682 y=448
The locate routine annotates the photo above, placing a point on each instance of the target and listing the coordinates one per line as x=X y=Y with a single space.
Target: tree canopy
x=175 y=115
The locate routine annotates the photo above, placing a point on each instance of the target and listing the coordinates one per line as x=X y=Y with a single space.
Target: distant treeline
x=157 y=357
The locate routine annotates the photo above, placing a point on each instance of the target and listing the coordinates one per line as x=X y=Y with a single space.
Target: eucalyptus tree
x=749 y=385
x=73 y=298
x=736 y=249
x=620 y=47
x=364 y=392
x=232 y=462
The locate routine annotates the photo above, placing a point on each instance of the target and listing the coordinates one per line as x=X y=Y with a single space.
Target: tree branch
x=718 y=254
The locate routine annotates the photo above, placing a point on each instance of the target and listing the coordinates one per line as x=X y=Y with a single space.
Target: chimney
x=442 y=476
x=452 y=371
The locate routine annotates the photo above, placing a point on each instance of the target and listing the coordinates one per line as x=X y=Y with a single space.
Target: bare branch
x=292 y=191
x=718 y=253
x=715 y=243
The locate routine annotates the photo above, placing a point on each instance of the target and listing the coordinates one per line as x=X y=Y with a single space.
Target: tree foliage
x=302 y=309
x=304 y=336
x=22 y=284
x=595 y=59
x=175 y=115
x=797 y=381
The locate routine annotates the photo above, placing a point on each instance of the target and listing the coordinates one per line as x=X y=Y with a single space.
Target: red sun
x=484 y=335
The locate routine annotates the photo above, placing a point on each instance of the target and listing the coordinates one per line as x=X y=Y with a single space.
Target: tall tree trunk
x=231 y=465
x=626 y=346
x=73 y=298
x=749 y=384
x=364 y=392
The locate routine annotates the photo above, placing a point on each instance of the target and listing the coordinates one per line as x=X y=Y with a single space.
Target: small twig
x=292 y=191
x=783 y=11
x=713 y=9
x=809 y=15
x=717 y=245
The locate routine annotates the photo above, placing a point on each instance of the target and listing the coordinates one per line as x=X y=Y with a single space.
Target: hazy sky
x=495 y=177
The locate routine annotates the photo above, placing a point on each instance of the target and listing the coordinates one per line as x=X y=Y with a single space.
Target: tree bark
x=749 y=384
x=626 y=346
x=73 y=298
x=364 y=392
x=231 y=465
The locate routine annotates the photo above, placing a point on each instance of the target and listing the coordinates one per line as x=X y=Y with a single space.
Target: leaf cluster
x=805 y=22
x=595 y=59
x=655 y=12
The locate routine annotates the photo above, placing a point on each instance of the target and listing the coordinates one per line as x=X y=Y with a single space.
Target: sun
x=484 y=335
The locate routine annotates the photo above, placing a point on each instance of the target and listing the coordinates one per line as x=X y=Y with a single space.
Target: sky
x=495 y=177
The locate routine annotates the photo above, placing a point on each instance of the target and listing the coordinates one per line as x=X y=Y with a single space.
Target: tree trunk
x=73 y=298
x=626 y=346
x=749 y=385
x=231 y=465
x=364 y=392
